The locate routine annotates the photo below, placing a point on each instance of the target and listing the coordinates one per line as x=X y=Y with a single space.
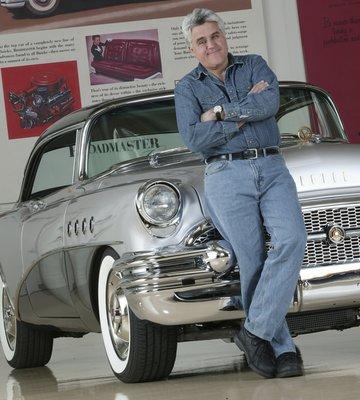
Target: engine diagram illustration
x=35 y=96
x=47 y=97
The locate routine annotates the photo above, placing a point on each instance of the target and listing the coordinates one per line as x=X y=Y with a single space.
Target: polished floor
x=211 y=370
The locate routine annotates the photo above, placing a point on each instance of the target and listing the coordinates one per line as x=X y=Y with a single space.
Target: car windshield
x=307 y=110
x=130 y=132
x=136 y=130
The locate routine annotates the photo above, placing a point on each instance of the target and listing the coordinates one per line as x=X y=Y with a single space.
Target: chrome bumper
x=12 y=3
x=178 y=286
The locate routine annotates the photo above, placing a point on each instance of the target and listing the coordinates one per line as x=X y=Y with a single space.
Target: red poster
x=330 y=32
x=36 y=96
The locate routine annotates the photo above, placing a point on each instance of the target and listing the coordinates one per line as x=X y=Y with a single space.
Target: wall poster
x=330 y=32
x=53 y=63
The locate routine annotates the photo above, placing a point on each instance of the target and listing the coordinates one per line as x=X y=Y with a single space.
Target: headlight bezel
x=147 y=219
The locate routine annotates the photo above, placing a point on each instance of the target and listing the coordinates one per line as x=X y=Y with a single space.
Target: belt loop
x=230 y=156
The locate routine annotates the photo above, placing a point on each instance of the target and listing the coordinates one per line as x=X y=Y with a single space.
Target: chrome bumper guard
x=175 y=286
x=12 y=3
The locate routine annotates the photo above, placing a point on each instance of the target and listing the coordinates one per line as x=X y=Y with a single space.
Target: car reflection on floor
x=210 y=370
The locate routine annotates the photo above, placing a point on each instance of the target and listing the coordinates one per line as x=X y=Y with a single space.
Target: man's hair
x=198 y=17
x=95 y=36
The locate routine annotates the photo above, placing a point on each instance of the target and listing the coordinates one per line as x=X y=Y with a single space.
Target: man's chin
x=216 y=61
x=215 y=66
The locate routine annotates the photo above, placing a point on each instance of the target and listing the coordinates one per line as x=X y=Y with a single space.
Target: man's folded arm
x=256 y=106
x=197 y=135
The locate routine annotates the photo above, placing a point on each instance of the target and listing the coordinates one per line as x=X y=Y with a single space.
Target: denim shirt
x=200 y=90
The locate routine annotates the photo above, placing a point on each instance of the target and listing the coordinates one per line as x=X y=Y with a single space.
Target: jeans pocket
x=278 y=157
x=215 y=166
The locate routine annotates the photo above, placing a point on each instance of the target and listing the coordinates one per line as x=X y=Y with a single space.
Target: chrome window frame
x=299 y=85
x=36 y=152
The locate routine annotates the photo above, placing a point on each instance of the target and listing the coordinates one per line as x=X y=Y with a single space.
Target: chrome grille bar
x=320 y=253
x=345 y=216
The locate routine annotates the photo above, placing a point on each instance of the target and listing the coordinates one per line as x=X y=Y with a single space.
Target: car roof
x=82 y=115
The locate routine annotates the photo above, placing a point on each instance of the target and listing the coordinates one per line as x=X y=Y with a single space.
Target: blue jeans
x=242 y=197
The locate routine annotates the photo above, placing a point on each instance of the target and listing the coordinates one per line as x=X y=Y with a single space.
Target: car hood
x=324 y=166
x=320 y=171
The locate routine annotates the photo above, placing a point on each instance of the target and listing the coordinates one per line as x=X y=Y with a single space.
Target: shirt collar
x=201 y=71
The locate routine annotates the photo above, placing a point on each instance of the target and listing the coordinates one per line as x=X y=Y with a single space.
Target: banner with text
x=47 y=72
x=330 y=32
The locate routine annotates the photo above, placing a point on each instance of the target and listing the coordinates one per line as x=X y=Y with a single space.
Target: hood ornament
x=305 y=134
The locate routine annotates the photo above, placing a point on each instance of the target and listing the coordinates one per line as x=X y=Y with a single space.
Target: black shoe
x=258 y=352
x=289 y=364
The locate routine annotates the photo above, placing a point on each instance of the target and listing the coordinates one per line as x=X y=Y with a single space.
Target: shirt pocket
x=212 y=100
x=242 y=89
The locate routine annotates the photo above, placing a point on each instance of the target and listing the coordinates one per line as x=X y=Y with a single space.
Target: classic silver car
x=36 y=7
x=111 y=234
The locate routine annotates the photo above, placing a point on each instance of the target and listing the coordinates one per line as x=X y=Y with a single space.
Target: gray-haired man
x=225 y=109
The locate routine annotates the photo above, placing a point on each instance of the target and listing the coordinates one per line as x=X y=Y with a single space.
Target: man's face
x=97 y=40
x=209 y=46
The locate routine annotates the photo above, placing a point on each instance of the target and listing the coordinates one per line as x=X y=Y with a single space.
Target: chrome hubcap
x=9 y=320
x=118 y=317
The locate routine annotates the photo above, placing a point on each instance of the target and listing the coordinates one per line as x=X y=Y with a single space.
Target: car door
x=49 y=190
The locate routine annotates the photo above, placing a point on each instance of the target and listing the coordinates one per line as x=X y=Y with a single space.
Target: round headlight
x=158 y=203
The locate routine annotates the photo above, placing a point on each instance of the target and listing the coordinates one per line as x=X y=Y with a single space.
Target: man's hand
x=259 y=87
x=209 y=115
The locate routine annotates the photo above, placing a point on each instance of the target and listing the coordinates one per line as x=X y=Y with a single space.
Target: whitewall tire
x=24 y=345
x=42 y=7
x=137 y=350
x=8 y=324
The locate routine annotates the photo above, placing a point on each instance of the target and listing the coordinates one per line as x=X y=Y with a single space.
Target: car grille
x=318 y=252
x=346 y=217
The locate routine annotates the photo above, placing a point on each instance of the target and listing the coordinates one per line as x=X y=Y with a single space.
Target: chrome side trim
x=2 y=275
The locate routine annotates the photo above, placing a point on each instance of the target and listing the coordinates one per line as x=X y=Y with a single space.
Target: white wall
x=283 y=39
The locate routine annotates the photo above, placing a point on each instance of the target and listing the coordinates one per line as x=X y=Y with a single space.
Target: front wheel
x=42 y=8
x=137 y=350
x=24 y=345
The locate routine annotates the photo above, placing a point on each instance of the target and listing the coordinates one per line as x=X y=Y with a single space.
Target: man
x=225 y=109
x=97 y=48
